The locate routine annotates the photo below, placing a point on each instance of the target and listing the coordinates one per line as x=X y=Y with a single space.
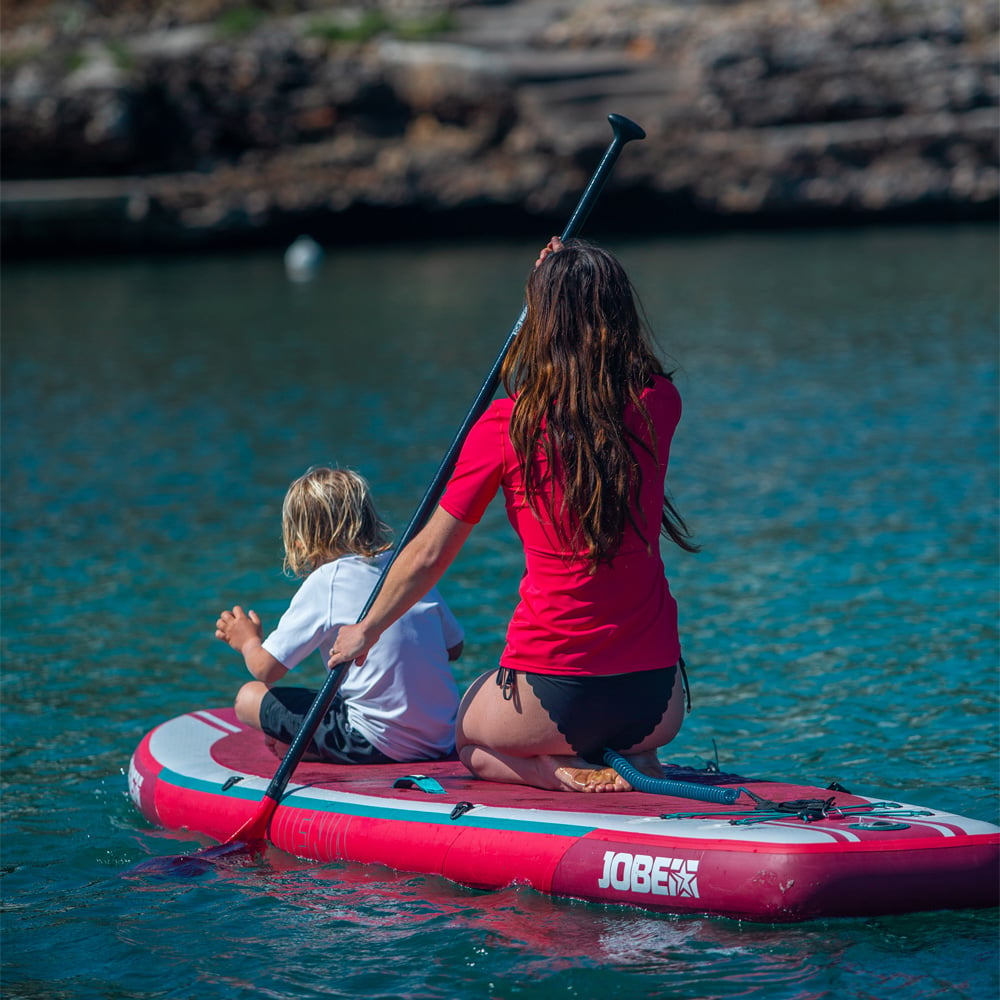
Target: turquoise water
x=837 y=460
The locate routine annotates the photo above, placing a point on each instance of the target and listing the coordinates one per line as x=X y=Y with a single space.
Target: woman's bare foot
x=647 y=762
x=592 y=779
x=558 y=772
x=583 y=778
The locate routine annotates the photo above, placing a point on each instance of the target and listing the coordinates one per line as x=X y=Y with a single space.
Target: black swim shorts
x=615 y=712
x=283 y=710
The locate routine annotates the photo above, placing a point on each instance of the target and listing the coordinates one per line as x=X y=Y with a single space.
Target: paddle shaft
x=624 y=131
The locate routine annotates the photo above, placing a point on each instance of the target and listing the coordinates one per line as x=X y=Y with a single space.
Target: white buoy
x=302 y=259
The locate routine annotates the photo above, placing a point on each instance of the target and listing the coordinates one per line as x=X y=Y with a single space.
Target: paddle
x=255 y=829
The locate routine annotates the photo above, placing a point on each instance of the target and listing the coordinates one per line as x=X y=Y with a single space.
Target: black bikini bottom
x=615 y=712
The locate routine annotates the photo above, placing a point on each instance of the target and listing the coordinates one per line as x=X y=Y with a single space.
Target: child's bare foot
x=279 y=750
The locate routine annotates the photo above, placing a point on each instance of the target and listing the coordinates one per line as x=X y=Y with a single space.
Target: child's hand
x=237 y=628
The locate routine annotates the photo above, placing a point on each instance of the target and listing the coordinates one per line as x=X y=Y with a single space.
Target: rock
x=337 y=120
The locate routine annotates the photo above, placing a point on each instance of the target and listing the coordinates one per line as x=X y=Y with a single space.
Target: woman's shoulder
x=496 y=417
x=500 y=409
x=662 y=391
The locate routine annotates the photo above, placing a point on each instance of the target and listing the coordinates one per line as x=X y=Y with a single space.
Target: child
x=399 y=706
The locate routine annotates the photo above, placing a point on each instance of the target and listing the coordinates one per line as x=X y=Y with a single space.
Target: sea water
x=837 y=460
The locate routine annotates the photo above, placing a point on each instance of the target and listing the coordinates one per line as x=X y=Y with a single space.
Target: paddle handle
x=624 y=131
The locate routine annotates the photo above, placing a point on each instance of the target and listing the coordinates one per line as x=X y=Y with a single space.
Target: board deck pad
x=245 y=752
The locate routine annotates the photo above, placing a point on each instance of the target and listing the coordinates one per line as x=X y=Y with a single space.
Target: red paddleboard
x=780 y=852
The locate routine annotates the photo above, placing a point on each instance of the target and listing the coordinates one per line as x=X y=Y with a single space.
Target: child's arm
x=244 y=633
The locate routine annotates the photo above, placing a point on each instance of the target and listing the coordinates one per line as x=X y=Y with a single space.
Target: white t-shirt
x=404 y=699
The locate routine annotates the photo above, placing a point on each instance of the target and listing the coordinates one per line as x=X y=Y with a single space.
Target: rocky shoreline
x=427 y=117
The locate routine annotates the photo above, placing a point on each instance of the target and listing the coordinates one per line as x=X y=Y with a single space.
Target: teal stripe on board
x=402 y=816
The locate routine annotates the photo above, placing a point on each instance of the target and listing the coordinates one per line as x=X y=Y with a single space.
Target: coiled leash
x=667 y=786
x=506 y=680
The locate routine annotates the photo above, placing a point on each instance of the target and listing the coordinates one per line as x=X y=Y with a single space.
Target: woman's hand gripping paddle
x=254 y=831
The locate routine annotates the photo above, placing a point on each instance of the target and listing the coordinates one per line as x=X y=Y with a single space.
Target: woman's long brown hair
x=581 y=358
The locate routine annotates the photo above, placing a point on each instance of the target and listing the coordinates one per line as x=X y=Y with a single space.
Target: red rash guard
x=569 y=621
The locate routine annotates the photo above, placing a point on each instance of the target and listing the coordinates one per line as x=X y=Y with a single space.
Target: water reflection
x=444 y=937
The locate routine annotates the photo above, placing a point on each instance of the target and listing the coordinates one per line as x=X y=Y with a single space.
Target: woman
x=580 y=448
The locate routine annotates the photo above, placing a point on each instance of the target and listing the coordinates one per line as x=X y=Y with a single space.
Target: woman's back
x=575 y=618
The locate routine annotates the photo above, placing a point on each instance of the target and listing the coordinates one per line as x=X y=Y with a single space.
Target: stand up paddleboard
x=779 y=852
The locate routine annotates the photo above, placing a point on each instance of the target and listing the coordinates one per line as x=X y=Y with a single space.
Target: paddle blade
x=254 y=829
x=251 y=838
x=196 y=864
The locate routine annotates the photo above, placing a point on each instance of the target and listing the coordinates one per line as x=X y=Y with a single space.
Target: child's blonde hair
x=329 y=513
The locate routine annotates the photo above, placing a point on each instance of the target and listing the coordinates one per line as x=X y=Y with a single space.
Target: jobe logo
x=644 y=873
